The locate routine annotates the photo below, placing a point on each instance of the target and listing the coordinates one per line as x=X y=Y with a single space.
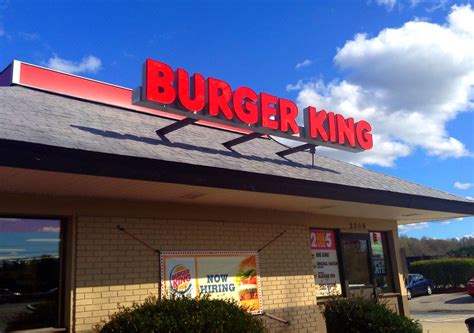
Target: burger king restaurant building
x=109 y=195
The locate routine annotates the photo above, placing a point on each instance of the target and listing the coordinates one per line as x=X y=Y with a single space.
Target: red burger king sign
x=213 y=100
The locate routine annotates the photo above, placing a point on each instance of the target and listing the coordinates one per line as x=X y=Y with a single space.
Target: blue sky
x=406 y=66
x=22 y=238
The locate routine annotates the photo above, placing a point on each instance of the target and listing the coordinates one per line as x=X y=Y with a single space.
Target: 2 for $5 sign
x=326 y=265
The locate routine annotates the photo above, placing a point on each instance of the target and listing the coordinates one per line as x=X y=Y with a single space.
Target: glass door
x=357 y=268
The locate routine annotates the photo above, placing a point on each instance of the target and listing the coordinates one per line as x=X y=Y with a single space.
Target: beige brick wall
x=112 y=268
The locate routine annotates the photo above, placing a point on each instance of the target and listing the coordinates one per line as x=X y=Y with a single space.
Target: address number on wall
x=356 y=225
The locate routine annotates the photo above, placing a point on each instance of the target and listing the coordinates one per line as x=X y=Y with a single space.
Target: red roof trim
x=46 y=79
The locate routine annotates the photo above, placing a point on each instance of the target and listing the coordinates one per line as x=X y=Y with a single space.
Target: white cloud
x=304 y=63
x=389 y=4
x=49 y=229
x=29 y=36
x=297 y=86
x=469 y=198
x=408 y=82
x=43 y=240
x=9 y=219
x=450 y=221
x=437 y=5
x=404 y=228
x=12 y=250
x=434 y=4
x=463 y=186
x=89 y=64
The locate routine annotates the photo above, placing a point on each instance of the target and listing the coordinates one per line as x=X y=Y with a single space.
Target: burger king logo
x=180 y=279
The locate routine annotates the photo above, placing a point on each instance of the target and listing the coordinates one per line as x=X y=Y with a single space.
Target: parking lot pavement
x=8 y=310
x=442 y=312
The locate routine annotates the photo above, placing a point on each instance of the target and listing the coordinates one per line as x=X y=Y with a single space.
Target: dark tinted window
x=29 y=273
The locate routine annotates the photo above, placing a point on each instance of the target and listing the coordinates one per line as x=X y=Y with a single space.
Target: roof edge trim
x=59 y=159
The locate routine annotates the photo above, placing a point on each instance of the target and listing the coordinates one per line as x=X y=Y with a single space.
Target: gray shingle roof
x=33 y=116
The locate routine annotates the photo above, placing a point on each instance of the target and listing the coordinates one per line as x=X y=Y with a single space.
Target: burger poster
x=326 y=266
x=221 y=275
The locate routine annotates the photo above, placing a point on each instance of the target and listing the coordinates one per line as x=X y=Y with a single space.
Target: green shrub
x=465 y=251
x=182 y=315
x=359 y=315
x=445 y=272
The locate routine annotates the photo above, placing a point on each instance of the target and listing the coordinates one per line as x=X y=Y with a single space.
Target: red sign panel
x=322 y=239
x=214 y=100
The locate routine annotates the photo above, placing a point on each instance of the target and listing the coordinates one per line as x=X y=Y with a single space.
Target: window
x=381 y=261
x=29 y=273
x=354 y=263
x=355 y=251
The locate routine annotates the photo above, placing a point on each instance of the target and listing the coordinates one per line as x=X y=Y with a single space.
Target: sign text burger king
x=180 y=278
x=213 y=100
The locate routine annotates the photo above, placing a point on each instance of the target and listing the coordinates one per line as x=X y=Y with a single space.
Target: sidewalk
x=446 y=327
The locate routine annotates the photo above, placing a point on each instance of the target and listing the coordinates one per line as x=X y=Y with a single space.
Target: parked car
x=417 y=284
x=7 y=296
x=470 y=287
